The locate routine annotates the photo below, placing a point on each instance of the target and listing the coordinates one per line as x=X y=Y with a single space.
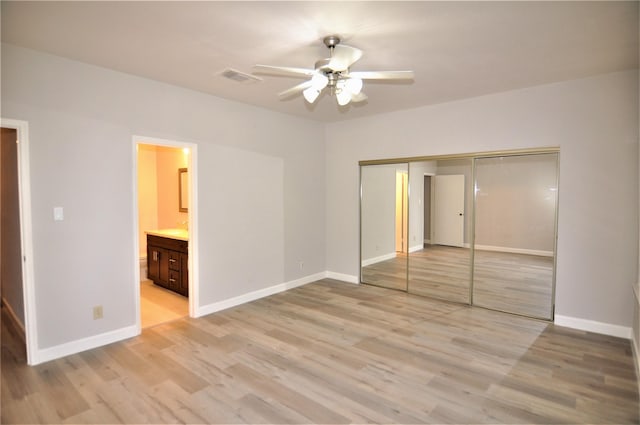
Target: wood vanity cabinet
x=167 y=263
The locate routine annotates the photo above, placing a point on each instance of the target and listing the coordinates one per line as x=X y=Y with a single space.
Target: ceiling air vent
x=239 y=77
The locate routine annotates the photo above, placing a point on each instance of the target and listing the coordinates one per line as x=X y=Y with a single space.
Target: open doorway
x=17 y=249
x=164 y=217
x=10 y=240
x=402 y=211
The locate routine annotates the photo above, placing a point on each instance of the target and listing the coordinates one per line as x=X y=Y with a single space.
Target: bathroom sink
x=181 y=234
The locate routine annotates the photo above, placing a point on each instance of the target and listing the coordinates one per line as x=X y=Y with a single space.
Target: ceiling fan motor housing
x=331 y=41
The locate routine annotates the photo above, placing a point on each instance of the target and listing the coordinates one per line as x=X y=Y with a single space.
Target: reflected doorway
x=440 y=267
x=402 y=211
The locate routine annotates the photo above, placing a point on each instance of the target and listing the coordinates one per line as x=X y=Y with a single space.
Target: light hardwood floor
x=331 y=352
x=517 y=283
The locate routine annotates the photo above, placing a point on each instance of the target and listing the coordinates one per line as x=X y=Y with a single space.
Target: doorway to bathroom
x=165 y=227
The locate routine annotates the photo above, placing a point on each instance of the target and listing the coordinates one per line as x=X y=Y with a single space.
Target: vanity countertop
x=180 y=234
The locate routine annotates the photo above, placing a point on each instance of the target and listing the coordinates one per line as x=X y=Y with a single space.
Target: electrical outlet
x=301 y=264
x=97 y=312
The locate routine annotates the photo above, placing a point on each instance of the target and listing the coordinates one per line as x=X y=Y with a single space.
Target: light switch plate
x=58 y=214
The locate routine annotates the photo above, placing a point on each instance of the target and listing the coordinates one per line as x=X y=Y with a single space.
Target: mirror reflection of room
x=163 y=233
x=384 y=224
x=516 y=199
x=478 y=230
x=440 y=229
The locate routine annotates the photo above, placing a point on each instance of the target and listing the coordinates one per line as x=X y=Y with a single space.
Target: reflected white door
x=448 y=226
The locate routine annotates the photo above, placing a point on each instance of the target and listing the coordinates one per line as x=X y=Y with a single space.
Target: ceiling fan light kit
x=333 y=73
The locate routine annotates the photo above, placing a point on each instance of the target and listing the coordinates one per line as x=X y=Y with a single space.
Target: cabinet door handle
x=155 y=255
x=172 y=260
x=172 y=280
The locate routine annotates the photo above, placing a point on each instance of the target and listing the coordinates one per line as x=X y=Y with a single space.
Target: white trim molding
x=378 y=259
x=514 y=250
x=255 y=295
x=343 y=277
x=593 y=326
x=84 y=344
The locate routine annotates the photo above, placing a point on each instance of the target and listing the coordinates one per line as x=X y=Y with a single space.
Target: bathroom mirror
x=384 y=223
x=183 y=190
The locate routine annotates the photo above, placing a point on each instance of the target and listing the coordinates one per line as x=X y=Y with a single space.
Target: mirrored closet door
x=384 y=221
x=475 y=229
x=440 y=228
x=515 y=233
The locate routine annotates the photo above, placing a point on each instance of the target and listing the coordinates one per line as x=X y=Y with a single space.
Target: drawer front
x=174 y=280
x=174 y=261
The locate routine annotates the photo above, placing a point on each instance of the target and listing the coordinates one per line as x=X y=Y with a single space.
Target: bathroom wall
x=147 y=194
x=168 y=161
x=158 y=189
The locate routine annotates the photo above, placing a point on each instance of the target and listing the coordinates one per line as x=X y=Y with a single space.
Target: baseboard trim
x=255 y=295
x=514 y=250
x=415 y=248
x=14 y=319
x=343 y=277
x=73 y=347
x=378 y=259
x=593 y=326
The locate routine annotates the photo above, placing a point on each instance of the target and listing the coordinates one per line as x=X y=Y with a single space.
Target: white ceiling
x=457 y=49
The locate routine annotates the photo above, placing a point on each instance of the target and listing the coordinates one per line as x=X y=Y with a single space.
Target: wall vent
x=238 y=76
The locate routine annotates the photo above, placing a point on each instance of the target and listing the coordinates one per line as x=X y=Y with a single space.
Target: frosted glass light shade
x=319 y=81
x=354 y=85
x=343 y=97
x=311 y=94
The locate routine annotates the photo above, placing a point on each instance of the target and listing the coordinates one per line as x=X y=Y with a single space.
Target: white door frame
x=194 y=283
x=26 y=237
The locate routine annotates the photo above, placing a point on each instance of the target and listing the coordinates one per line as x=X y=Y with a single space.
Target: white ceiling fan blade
x=360 y=97
x=284 y=70
x=343 y=57
x=295 y=89
x=382 y=75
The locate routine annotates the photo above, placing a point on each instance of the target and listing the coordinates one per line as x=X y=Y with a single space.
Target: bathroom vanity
x=167 y=259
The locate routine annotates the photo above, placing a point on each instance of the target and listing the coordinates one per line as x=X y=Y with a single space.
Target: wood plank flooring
x=331 y=352
x=517 y=283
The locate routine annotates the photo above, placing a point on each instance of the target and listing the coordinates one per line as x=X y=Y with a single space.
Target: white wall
x=516 y=203
x=594 y=121
x=255 y=223
x=378 y=212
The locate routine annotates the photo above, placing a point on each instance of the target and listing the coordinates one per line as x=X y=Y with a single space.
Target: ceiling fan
x=333 y=73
